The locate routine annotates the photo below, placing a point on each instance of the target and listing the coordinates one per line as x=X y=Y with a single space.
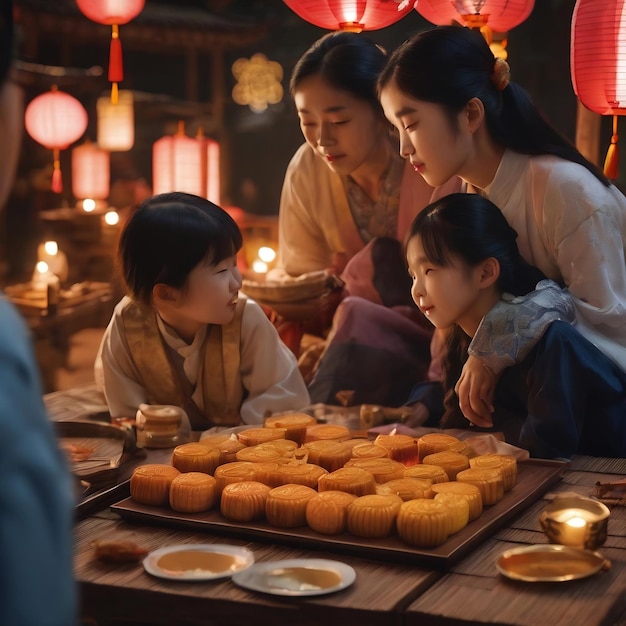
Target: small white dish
x=296 y=577
x=198 y=561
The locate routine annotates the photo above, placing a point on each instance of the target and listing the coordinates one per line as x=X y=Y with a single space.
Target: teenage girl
x=564 y=396
x=184 y=335
x=458 y=113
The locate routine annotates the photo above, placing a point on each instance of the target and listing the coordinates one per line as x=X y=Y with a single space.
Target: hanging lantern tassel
x=57 y=179
x=116 y=68
x=611 y=163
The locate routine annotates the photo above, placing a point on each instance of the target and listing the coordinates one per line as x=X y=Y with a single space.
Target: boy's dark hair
x=167 y=236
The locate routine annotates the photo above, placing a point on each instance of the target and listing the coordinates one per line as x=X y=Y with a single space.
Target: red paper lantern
x=598 y=61
x=189 y=164
x=352 y=15
x=55 y=119
x=112 y=13
x=91 y=168
x=500 y=15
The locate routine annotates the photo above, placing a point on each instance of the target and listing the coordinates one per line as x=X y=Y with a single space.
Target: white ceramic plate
x=198 y=561
x=549 y=563
x=296 y=577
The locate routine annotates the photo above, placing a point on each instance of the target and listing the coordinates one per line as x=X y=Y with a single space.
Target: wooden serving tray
x=534 y=479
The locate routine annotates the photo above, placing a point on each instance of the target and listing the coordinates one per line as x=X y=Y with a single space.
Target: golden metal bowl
x=573 y=520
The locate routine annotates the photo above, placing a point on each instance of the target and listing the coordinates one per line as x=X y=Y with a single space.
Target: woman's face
x=437 y=147
x=343 y=130
x=445 y=295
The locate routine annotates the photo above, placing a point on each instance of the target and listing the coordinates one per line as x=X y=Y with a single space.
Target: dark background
x=258 y=146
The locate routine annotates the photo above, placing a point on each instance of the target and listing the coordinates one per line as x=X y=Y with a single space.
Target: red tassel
x=57 y=179
x=611 y=163
x=116 y=68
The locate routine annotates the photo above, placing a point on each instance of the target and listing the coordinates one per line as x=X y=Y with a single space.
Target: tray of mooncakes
x=319 y=487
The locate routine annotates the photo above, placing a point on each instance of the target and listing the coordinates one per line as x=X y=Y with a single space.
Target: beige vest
x=219 y=375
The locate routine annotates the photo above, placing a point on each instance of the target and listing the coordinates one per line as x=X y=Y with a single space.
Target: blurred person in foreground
x=36 y=500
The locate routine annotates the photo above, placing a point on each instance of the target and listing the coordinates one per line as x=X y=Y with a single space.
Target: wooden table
x=384 y=593
x=52 y=330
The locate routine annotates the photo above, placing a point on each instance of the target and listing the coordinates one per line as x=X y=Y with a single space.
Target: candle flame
x=51 y=247
x=42 y=267
x=260 y=267
x=111 y=218
x=89 y=205
x=266 y=254
x=576 y=522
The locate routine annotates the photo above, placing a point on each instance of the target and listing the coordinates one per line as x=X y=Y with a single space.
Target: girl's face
x=448 y=295
x=209 y=297
x=437 y=147
x=343 y=130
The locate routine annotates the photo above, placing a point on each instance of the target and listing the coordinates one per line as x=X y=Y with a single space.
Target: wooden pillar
x=191 y=82
x=588 y=133
x=218 y=90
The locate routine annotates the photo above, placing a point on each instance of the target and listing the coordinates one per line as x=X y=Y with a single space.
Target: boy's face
x=211 y=291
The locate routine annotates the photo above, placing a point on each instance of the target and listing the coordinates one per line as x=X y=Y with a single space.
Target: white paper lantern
x=116 y=122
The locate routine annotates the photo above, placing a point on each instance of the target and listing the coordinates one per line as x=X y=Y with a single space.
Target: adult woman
x=458 y=113
x=346 y=185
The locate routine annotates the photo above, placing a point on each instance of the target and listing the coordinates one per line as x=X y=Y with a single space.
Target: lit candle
x=56 y=260
x=574 y=528
x=40 y=276
x=111 y=218
x=576 y=521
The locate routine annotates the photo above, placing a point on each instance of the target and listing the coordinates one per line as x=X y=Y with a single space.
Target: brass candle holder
x=576 y=521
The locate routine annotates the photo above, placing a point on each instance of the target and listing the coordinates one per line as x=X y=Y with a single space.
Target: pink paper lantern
x=189 y=164
x=91 y=167
x=112 y=13
x=500 y=15
x=597 y=60
x=351 y=15
x=55 y=120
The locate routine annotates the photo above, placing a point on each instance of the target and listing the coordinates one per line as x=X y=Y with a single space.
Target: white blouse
x=269 y=370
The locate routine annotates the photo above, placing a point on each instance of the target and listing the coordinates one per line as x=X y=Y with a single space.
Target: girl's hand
x=475 y=389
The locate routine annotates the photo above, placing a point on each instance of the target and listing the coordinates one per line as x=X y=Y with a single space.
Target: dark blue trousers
x=566 y=397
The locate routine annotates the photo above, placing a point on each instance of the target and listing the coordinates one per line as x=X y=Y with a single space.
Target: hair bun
x=501 y=74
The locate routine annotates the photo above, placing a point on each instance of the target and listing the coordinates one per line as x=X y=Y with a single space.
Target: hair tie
x=501 y=74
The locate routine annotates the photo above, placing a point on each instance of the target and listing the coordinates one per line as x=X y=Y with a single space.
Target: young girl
x=565 y=396
x=458 y=113
x=184 y=336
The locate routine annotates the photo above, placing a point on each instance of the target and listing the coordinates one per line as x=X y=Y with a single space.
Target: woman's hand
x=475 y=389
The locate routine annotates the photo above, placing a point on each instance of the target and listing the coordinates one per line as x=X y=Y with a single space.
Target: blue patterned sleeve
x=513 y=327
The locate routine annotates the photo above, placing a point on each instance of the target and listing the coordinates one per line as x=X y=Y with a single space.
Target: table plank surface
x=378 y=596
x=385 y=593
x=474 y=592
